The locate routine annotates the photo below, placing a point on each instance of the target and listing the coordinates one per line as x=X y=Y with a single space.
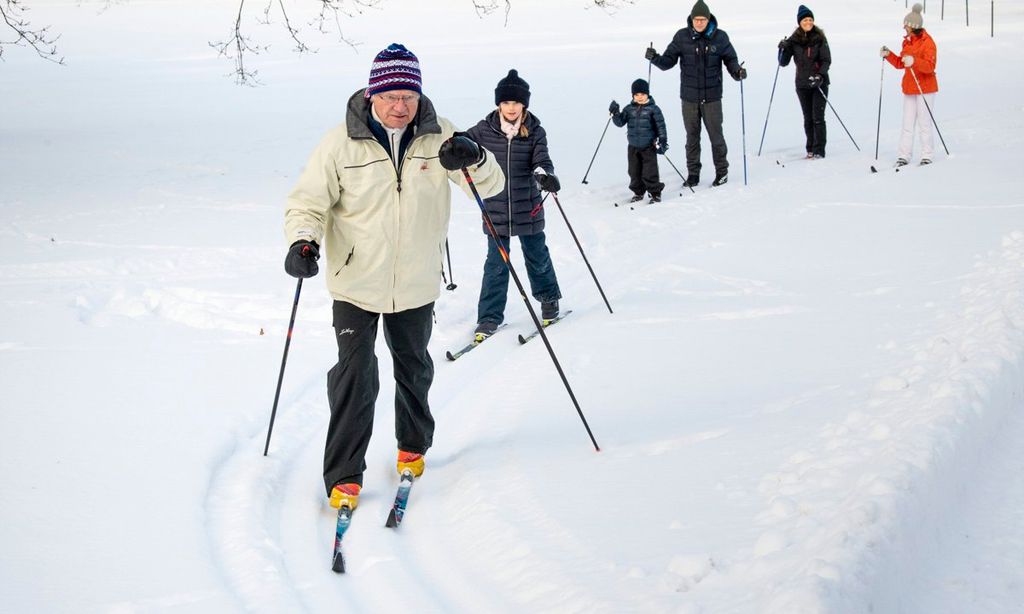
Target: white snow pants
x=915 y=114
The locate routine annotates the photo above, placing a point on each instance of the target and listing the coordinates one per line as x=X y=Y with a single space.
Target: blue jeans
x=494 y=288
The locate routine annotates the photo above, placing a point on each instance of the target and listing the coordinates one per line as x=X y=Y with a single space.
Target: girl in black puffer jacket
x=519 y=144
x=808 y=48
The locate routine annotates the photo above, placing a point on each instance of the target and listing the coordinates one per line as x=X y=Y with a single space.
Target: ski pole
x=451 y=271
x=678 y=173
x=743 y=125
x=598 y=147
x=766 y=115
x=522 y=292
x=284 y=360
x=837 y=117
x=927 y=106
x=649 y=64
x=585 y=261
x=878 y=128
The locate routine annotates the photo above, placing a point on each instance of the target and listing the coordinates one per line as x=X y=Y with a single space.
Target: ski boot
x=410 y=461
x=345 y=494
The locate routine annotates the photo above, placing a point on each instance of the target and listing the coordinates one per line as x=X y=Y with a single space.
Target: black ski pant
x=643 y=170
x=353 y=383
x=813 y=105
x=710 y=113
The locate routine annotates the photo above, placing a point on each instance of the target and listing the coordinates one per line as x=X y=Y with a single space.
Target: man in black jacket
x=701 y=49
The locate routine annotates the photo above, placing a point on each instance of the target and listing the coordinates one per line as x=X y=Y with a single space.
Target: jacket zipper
x=508 y=188
x=395 y=148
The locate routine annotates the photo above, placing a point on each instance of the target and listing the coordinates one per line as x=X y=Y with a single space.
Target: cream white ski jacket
x=385 y=228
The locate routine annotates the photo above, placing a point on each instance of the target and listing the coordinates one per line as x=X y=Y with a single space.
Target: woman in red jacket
x=917 y=58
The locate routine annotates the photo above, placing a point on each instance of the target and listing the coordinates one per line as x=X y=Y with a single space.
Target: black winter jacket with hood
x=810 y=54
x=516 y=210
x=700 y=56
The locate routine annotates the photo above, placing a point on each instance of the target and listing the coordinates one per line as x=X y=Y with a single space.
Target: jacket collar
x=708 y=31
x=494 y=121
x=357 y=117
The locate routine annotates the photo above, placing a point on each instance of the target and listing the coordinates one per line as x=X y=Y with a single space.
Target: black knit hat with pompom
x=512 y=89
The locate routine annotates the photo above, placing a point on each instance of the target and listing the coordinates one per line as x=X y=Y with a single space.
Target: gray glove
x=651 y=53
x=884 y=52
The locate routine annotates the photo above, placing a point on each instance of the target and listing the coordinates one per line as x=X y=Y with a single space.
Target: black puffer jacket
x=700 y=56
x=644 y=123
x=810 y=54
x=516 y=210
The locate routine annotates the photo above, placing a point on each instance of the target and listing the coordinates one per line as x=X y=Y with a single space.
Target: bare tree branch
x=326 y=20
x=25 y=34
x=486 y=7
x=235 y=49
x=239 y=44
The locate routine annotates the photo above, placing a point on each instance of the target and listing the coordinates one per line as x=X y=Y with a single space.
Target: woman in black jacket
x=519 y=144
x=808 y=48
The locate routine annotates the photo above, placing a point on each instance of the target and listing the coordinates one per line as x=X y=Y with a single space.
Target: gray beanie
x=914 y=19
x=700 y=10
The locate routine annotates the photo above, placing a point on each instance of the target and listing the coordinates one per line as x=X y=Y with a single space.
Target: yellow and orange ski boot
x=410 y=461
x=345 y=494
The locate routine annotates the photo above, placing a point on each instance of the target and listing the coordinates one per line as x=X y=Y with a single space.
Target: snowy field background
x=809 y=397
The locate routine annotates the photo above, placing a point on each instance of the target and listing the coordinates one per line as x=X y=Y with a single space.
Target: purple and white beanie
x=394 y=68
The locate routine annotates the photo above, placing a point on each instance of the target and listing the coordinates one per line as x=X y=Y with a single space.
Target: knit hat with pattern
x=394 y=68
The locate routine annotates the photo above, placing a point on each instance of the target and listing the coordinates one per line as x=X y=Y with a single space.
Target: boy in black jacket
x=647 y=137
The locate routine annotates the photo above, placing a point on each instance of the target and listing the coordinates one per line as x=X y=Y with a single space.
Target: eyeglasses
x=393 y=99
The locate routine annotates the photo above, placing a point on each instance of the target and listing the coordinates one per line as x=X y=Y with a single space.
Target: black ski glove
x=301 y=259
x=662 y=147
x=613 y=108
x=460 y=151
x=741 y=74
x=815 y=80
x=651 y=53
x=548 y=183
x=784 y=43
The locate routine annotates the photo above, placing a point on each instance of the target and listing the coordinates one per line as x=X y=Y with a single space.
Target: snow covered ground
x=809 y=397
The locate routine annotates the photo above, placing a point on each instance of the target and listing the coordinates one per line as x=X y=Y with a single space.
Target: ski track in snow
x=917 y=458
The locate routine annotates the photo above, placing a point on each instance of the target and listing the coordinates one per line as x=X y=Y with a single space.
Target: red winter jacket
x=922 y=48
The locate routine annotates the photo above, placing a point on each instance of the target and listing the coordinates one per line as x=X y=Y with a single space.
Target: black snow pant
x=353 y=383
x=711 y=114
x=813 y=105
x=643 y=170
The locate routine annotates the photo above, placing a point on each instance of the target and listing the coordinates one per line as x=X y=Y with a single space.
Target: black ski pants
x=643 y=170
x=812 y=103
x=710 y=113
x=353 y=384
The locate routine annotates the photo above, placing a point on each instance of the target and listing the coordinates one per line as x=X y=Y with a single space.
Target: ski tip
x=339 y=563
x=449 y=356
x=392 y=522
x=873 y=169
x=522 y=340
